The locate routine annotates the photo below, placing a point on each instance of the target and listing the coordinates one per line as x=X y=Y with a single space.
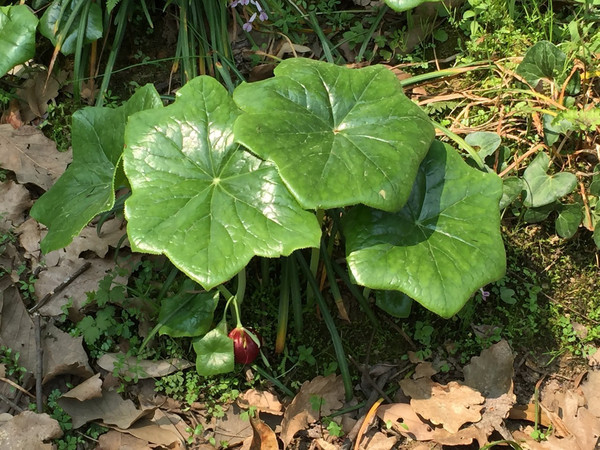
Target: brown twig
x=10 y=403
x=526 y=155
x=16 y=386
x=60 y=287
x=39 y=366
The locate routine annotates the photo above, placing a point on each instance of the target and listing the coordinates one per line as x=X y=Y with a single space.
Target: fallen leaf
x=378 y=441
x=90 y=388
x=527 y=412
x=161 y=429
x=491 y=373
x=590 y=388
x=115 y=440
x=263 y=401
x=15 y=201
x=263 y=437
x=231 y=428
x=328 y=391
x=28 y=431
x=405 y=421
x=424 y=370
x=110 y=408
x=142 y=368
x=63 y=354
x=450 y=405
x=37 y=91
x=31 y=156
x=29 y=239
x=13 y=115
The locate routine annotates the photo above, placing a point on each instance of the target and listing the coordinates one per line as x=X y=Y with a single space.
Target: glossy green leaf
x=568 y=220
x=542 y=189
x=511 y=189
x=405 y=5
x=542 y=61
x=17 y=36
x=442 y=246
x=198 y=197
x=594 y=188
x=539 y=214
x=338 y=136
x=54 y=22
x=214 y=353
x=486 y=141
x=396 y=304
x=187 y=313
x=87 y=187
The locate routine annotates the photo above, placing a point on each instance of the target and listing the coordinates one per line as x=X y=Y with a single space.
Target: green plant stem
x=444 y=73
x=296 y=297
x=462 y=144
x=167 y=284
x=284 y=306
x=325 y=44
x=263 y=373
x=314 y=261
x=335 y=337
x=372 y=30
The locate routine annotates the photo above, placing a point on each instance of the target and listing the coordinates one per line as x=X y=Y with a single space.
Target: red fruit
x=245 y=348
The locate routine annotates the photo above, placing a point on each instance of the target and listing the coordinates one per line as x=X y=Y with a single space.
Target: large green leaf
x=405 y=5
x=86 y=188
x=442 y=246
x=201 y=199
x=338 y=136
x=542 y=61
x=542 y=189
x=187 y=313
x=62 y=19
x=17 y=36
x=214 y=352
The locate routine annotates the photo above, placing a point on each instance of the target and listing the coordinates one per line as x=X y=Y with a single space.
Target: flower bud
x=245 y=347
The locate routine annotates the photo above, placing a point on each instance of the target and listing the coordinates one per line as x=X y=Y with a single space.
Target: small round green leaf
x=442 y=246
x=511 y=189
x=201 y=199
x=487 y=142
x=338 y=136
x=87 y=186
x=214 y=353
x=17 y=36
x=568 y=220
x=542 y=189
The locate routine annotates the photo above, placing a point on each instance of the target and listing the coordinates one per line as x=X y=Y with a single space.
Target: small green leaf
x=568 y=220
x=396 y=304
x=486 y=141
x=201 y=199
x=542 y=61
x=17 y=36
x=539 y=214
x=187 y=314
x=214 y=353
x=405 y=5
x=442 y=246
x=339 y=136
x=596 y=236
x=554 y=127
x=87 y=186
x=54 y=21
x=594 y=188
x=511 y=189
x=542 y=189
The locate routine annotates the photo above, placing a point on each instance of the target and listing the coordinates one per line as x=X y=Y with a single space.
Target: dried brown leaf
x=90 y=388
x=591 y=388
x=404 y=420
x=115 y=440
x=142 y=369
x=264 y=401
x=15 y=201
x=491 y=373
x=263 y=437
x=300 y=413
x=28 y=431
x=231 y=428
x=110 y=408
x=32 y=156
x=450 y=405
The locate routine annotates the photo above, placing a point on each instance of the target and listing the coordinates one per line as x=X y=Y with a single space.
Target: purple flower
x=484 y=294
x=247 y=27
x=263 y=16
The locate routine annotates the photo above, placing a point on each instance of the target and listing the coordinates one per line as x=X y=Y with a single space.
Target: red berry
x=245 y=348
